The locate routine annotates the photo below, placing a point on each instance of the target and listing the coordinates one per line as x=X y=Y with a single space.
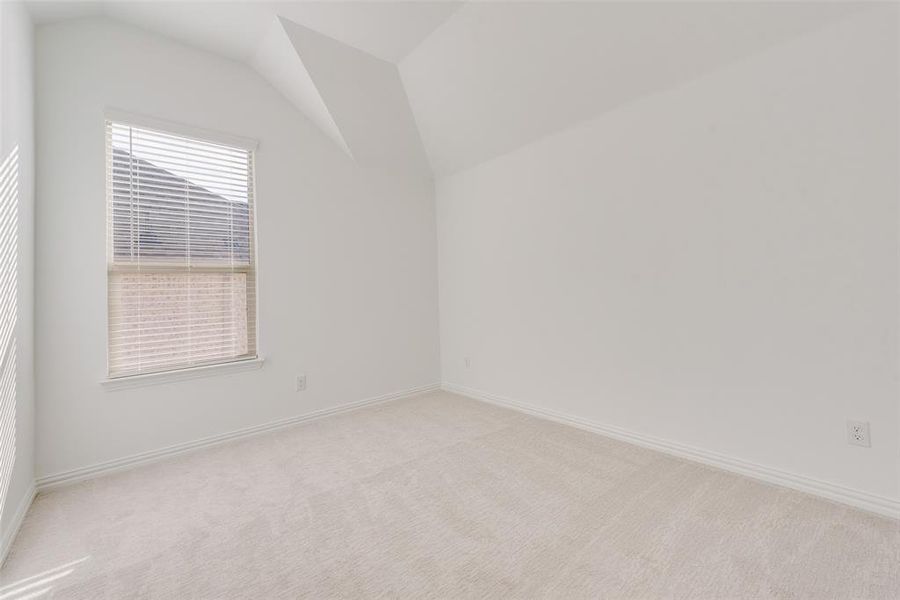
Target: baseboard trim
x=863 y=500
x=75 y=475
x=10 y=534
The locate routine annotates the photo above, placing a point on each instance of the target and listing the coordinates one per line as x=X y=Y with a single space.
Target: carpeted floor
x=442 y=497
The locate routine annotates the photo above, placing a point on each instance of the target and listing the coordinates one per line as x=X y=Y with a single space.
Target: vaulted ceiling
x=435 y=87
x=497 y=76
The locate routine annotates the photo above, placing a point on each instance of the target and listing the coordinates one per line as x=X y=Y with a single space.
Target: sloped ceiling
x=497 y=76
x=335 y=61
x=388 y=30
x=435 y=87
x=365 y=98
x=277 y=60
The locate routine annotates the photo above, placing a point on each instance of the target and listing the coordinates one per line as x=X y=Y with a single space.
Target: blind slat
x=181 y=281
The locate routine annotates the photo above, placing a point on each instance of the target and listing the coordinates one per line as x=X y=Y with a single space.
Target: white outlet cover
x=858 y=433
x=301 y=383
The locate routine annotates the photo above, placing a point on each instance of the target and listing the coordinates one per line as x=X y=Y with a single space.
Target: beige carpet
x=443 y=497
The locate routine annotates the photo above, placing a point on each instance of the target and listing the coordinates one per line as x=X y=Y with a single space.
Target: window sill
x=135 y=381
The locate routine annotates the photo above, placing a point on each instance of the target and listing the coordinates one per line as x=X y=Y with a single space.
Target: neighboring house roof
x=157 y=215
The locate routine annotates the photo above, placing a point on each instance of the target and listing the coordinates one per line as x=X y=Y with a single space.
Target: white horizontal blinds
x=182 y=287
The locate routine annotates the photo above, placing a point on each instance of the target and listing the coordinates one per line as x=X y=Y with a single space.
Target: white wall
x=715 y=265
x=347 y=281
x=17 y=131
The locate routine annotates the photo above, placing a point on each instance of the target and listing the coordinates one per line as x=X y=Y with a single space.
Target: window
x=180 y=246
x=9 y=305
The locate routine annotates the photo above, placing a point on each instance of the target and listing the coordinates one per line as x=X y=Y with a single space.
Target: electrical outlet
x=468 y=362
x=301 y=383
x=858 y=433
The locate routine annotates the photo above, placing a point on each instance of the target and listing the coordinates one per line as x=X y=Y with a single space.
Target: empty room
x=449 y=300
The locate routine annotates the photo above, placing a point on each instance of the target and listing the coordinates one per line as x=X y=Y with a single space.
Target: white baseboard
x=68 y=477
x=858 y=499
x=9 y=535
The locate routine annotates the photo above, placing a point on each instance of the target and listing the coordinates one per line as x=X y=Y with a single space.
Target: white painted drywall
x=278 y=62
x=715 y=264
x=497 y=75
x=365 y=97
x=347 y=278
x=17 y=130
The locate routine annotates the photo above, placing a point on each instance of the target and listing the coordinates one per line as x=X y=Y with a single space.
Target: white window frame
x=187 y=373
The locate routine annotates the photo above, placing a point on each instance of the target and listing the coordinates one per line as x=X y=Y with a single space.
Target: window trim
x=201 y=371
x=185 y=374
